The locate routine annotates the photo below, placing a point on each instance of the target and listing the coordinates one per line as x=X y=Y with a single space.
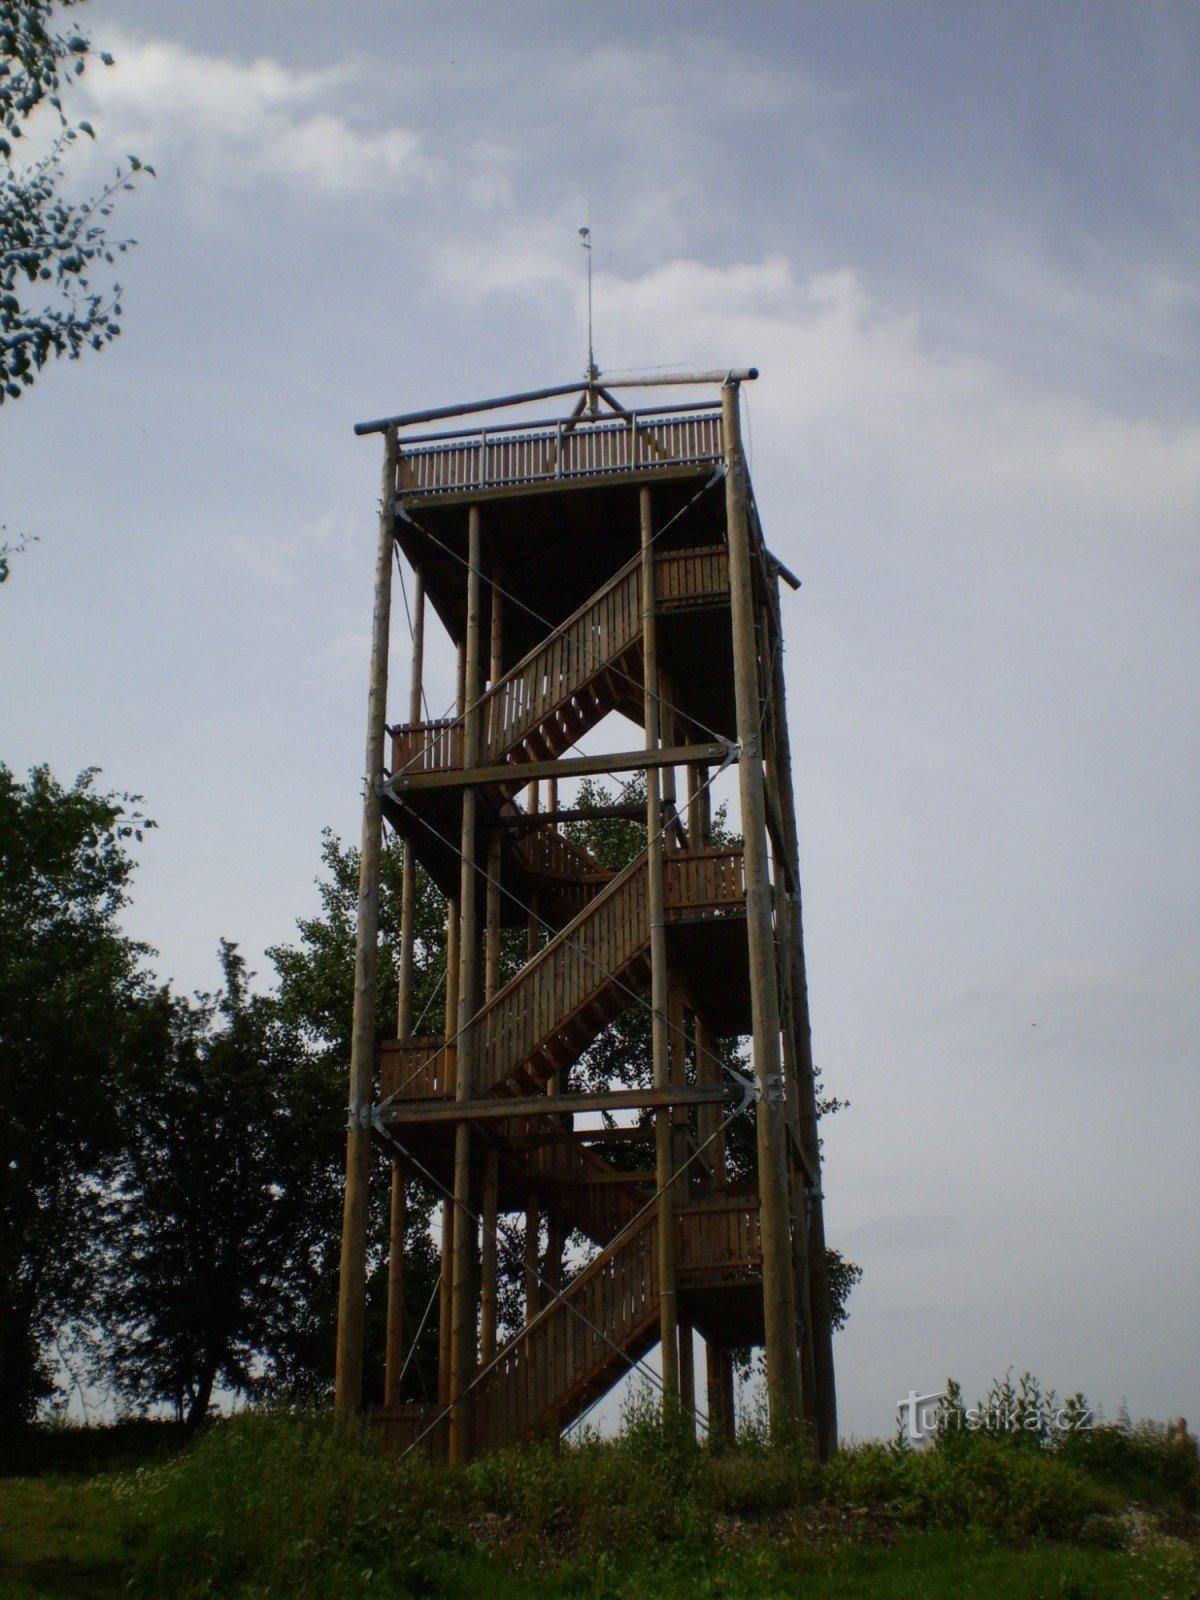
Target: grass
x=273 y=1506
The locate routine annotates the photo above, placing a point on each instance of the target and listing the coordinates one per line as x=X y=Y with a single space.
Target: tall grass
x=271 y=1505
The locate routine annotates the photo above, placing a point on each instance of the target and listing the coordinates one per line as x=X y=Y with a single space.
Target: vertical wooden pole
x=489 y=1255
x=722 y=1424
x=491 y=963
x=446 y=1292
x=820 y=1303
x=659 y=990
x=394 y=1359
x=489 y=1248
x=445 y=1302
x=533 y=1226
x=353 y=1275
x=397 y=1220
x=462 y=1338
x=779 y=1294
x=687 y=1372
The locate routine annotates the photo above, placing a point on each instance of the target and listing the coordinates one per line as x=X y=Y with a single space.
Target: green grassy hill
x=274 y=1506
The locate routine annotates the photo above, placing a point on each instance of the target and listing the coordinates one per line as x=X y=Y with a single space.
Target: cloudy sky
x=960 y=242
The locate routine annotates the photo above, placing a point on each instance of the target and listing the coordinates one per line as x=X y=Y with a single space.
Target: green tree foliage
x=70 y=981
x=223 y=1205
x=50 y=247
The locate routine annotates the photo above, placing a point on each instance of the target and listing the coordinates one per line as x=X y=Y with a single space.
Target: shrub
x=1151 y=1461
x=278 y=1506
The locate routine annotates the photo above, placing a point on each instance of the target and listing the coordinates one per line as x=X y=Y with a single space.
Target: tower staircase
x=558 y=1004
x=587 y=667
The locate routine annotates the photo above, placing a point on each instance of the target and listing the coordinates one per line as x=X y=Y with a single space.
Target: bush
x=278 y=1506
x=1148 y=1462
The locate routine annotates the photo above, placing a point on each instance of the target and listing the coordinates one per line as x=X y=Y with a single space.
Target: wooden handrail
x=525 y=1029
x=552 y=680
x=561 y=1359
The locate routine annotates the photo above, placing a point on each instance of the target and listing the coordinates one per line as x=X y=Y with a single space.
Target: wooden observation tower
x=610 y=560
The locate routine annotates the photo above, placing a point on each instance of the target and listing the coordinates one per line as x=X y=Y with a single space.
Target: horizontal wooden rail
x=560 y=1105
x=677 y=755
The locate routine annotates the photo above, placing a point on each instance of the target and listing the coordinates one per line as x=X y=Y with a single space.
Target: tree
x=70 y=980
x=49 y=245
x=221 y=1203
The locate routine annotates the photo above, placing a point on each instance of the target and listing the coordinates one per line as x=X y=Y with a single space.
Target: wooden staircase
x=589 y=973
x=589 y=665
x=579 y=982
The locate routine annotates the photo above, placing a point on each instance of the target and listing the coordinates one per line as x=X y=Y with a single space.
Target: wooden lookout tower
x=609 y=560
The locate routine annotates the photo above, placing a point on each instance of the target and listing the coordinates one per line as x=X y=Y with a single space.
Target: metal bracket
x=366 y=1118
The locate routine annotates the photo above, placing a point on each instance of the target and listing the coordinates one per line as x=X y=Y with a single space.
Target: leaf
x=86 y=127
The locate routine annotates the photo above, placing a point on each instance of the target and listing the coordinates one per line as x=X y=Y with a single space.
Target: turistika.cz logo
x=924 y=1415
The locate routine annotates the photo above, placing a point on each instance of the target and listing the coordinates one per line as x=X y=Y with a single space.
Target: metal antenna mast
x=593 y=371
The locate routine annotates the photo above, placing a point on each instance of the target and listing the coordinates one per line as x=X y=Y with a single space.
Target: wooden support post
x=659 y=991
x=710 y=1117
x=533 y=1229
x=491 y=963
x=489 y=1256
x=687 y=1371
x=462 y=1338
x=398 y=1211
x=397 y=1220
x=492 y=925
x=445 y=1301
x=353 y=1274
x=779 y=1294
x=722 y=1423
x=819 y=1300
x=450 y=1024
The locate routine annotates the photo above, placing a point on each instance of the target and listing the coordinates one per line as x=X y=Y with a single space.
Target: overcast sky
x=961 y=243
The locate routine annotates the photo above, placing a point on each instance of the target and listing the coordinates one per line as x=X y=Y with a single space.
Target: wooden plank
x=568 y=767
x=499 y=1108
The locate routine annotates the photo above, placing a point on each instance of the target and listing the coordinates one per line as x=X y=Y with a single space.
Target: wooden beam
x=524 y=772
x=659 y=979
x=463 y=1349
x=779 y=1286
x=352 y=1283
x=494 y=1109
x=541 y=819
x=394 y=1357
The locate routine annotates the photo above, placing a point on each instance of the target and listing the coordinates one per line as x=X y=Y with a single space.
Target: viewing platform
x=663 y=441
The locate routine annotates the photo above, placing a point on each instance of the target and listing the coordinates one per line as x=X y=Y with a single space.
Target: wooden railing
x=541 y=1017
x=705 y=883
x=598 y=1210
x=684 y=578
x=522 y=1023
x=541 y=1377
x=569 y=872
x=719 y=1238
x=563 y=665
x=427 y=746
x=553 y=681
x=498 y=458
x=578 y=1345
x=418 y=1069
